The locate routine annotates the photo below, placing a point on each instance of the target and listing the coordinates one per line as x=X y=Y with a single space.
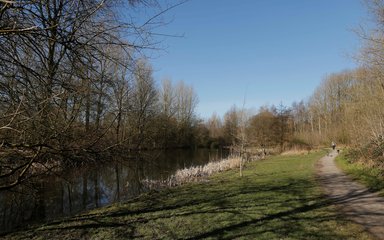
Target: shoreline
x=196 y=173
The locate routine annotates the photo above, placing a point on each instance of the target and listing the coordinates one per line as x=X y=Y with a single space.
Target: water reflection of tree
x=92 y=186
x=85 y=190
x=39 y=210
x=117 y=173
x=134 y=177
x=96 y=186
x=16 y=206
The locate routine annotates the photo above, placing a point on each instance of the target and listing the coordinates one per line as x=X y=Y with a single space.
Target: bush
x=371 y=155
x=370 y=176
x=299 y=144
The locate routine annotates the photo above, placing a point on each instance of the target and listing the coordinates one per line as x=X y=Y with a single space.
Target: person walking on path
x=333 y=145
x=354 y=200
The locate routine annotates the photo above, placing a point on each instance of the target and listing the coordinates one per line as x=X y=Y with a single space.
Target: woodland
x=76 y=87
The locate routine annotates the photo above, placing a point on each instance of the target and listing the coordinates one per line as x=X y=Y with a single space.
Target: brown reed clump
x=194 y=174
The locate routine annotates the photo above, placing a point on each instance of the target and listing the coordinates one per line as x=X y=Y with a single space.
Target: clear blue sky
x=270 y=51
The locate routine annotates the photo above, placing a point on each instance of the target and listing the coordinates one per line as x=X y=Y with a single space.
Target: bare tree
x=167 y=98
x=242 y=137
x=120 y=101
x=55 y=78
x=144 y=105
x=214 y=125
x=260 y=130
x=166 y=121
x=231 y=125
x=236 y=125
x=186 y=102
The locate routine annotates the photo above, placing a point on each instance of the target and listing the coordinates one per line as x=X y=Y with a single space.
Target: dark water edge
x=91 y=186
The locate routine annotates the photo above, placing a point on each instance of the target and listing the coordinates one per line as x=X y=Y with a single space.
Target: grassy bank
x=276 y=198
x=370 y=177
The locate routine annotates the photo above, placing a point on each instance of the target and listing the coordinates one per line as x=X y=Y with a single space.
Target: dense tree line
x=270 y=128
x=346 y=108
x=75 y=87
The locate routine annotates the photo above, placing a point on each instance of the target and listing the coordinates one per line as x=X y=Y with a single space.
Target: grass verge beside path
x=370 y=177
x=275 y=199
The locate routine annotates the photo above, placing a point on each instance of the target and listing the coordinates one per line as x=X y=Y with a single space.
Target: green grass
x=277 y=198
x=371 y=177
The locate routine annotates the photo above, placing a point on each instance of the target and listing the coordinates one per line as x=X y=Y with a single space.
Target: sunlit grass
x=277 y=198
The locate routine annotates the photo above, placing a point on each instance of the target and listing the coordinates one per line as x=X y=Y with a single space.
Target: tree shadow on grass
x=261 y=221
x=248 y=210
x=291 y=219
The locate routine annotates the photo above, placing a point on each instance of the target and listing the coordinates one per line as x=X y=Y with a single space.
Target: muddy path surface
x=354 y=200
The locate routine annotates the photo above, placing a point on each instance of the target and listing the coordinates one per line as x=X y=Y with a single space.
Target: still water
x=88 y=187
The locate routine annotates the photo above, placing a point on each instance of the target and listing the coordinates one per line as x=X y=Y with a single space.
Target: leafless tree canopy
x=74 y=84
x=75 y=87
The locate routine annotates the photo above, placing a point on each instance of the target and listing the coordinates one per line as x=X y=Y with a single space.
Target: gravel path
x=355 y=201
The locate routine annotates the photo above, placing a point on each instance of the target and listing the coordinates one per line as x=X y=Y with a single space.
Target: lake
x=91 y=186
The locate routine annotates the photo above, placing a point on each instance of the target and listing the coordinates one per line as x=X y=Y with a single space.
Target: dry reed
x=194 y=174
